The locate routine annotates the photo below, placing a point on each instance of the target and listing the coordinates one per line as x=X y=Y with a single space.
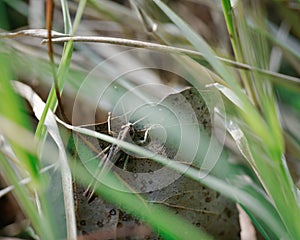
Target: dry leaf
x=178 y=115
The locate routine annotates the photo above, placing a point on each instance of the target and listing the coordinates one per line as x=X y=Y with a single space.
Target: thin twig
x=169 y=49
x=37 y=33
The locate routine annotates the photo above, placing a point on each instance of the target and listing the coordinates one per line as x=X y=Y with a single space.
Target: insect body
x=110 y=156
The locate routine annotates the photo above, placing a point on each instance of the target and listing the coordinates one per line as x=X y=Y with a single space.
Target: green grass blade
x=14 y=118
x=66 y=16
x=63 y=68
x=237 y=46
x=12 y=109
x=39 y=223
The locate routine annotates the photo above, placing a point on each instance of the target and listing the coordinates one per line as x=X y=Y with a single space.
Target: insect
x=111 y=154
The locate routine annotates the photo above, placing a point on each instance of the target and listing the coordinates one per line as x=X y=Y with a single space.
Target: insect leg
x=103 y=156
x=110 y=132
x=144 y=140
x=113 y=155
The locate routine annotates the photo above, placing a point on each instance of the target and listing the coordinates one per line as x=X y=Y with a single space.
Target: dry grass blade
x=276 y=77
x=38 y=105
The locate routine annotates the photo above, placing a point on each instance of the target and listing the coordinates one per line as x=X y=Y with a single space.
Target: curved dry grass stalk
x=140 y=44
